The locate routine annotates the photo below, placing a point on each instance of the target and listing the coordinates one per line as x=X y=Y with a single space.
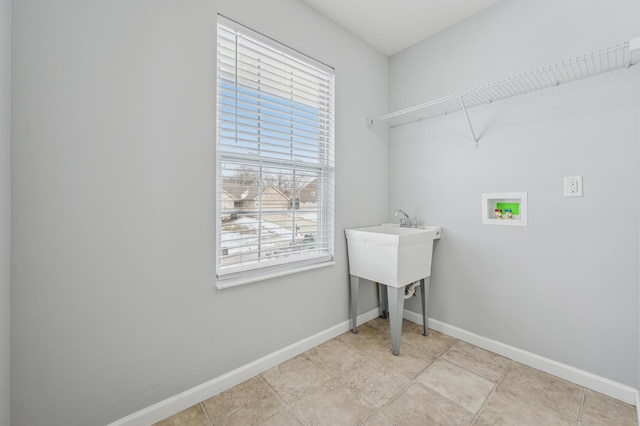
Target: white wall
x=5 y=201
x=566 y=286
x=114 y=302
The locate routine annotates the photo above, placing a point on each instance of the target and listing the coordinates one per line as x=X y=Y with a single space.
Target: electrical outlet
x=573 y=186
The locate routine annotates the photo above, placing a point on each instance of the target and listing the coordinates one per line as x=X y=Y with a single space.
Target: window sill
x=229 y=282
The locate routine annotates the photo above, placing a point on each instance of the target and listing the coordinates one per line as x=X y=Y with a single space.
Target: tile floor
x=436 y=380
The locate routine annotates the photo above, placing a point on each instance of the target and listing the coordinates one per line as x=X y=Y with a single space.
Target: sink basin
x=390 y=254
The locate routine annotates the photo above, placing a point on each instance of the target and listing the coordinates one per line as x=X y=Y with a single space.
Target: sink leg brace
x=473 y=134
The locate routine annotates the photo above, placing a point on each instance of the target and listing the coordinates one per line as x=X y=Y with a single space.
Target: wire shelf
x=612 y=58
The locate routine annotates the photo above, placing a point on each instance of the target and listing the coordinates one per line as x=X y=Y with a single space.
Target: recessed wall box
x=504 y=208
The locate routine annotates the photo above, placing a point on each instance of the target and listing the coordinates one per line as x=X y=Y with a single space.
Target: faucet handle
x=403 y=222
x=414 y=223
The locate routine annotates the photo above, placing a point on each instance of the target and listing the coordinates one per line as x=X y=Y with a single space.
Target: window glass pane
x=274 y=154
x=268 y=212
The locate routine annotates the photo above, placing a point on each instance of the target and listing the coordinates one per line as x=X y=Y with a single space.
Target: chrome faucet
x=406 y=221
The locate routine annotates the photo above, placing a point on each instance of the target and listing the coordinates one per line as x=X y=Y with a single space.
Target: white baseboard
x=186 y=399
x=605 y=386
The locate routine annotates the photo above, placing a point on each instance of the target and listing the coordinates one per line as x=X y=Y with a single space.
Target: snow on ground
x=241 y=235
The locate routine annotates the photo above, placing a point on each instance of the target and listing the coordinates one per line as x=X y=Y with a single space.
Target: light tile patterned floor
x=436 y=380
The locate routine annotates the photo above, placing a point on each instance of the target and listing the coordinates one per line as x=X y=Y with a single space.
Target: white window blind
x=275 y=157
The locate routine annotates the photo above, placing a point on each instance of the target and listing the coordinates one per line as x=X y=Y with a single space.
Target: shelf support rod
x=473 y=134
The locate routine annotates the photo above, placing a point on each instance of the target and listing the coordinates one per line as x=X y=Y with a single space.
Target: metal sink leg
x=396 y=309
x=354 y=302
x=424 y=291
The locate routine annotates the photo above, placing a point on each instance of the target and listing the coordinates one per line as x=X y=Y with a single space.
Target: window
x=275 y=154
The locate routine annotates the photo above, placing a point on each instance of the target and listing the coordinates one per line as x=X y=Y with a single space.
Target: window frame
x=292 y=262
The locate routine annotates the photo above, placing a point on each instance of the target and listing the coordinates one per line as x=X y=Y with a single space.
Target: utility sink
x=395 y=257
x=390 y=254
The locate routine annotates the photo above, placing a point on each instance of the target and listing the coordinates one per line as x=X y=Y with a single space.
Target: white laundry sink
x=390 y=254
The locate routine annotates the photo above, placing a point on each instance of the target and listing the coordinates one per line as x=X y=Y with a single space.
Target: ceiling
x=393 y=25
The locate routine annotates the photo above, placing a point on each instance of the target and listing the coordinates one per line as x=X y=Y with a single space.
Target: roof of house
x=249 y=192
x=241 y=192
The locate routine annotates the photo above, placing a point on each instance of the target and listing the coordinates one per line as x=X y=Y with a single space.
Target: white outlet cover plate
x=573 y=186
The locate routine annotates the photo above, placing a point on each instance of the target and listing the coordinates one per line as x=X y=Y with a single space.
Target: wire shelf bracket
x=619 y=56
x=473 y=134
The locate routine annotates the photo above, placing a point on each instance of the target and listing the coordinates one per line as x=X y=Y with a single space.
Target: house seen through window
x=275 y=154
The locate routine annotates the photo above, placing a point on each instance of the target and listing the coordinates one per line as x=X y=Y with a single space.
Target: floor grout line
x=205 y=412
x=542 y=404
x=495 y=386
x=539 y=404
x=584 y=395
x=287 y=403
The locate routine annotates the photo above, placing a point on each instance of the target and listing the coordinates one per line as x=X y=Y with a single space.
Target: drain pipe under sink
x=410 y=290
